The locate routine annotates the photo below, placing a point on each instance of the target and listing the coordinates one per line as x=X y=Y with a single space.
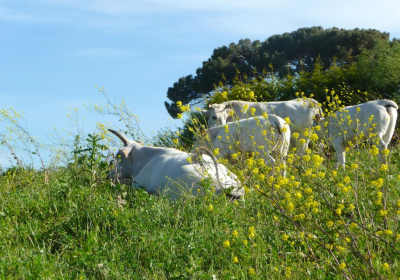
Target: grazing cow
x=301 y=113
x=257 y=134
x=160 y=170
x=373 y=120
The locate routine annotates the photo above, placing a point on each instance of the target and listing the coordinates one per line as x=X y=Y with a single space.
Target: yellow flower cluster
x=374 y=150
x=226 y=244
x=182 y=108
x=377 y=183
x=384 y=167
x=252 y=232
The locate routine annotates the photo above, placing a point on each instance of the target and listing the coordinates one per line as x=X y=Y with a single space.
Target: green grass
x=78 y=226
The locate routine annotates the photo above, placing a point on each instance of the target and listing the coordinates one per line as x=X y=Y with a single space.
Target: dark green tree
x=378 y=69
x=291 y=54
x=300 y=49
x=222 y=66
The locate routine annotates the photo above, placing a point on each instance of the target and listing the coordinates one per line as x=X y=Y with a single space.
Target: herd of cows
x=259 y=127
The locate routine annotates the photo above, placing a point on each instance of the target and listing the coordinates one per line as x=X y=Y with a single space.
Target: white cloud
x=10 y=15
x=128 y=7
x=7 y=14
x=256 y=18
x=107 y=53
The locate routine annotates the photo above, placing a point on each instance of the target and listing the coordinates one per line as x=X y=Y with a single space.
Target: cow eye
x=214 y=118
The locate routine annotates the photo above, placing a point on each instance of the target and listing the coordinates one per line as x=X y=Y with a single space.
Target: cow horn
x=123 y=138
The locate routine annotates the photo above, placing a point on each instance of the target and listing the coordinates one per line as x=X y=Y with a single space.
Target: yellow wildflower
x=216 y=152
x=342 y=266
x=251 y=271
x=308 y=191
x=384 y=167
x=346 y=180
x=388 y=232
x=252 y=232
x=285 y=237
x=290 y=207
x=226 y=244
x=314 y=137
x=306 y=157
x=385 y=152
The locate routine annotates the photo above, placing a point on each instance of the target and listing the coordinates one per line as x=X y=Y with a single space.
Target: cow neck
x=213 y=132
x=141 y=155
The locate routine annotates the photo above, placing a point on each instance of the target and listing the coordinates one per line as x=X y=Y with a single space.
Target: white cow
x=367 y=121
x=169 y=170
x=301 y=113
x=257 y=134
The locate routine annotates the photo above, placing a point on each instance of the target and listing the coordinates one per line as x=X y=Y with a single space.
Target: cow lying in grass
x=258 y=134
x=374 y=121
x=170 y=171
x=301 y=113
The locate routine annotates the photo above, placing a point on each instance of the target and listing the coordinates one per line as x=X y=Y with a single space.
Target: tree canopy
x=308 y=59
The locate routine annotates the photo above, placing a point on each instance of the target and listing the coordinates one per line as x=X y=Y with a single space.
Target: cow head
x=198 y=140
x=217 y=114
x=123 y=160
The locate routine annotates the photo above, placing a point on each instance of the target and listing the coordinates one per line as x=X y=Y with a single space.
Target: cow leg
x=381 y=146
x=272 y=161
x=303 y=147
x=340 y=153
x=281 y=153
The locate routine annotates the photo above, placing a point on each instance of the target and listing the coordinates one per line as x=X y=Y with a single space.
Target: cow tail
x=392 y=111
x=276 y=124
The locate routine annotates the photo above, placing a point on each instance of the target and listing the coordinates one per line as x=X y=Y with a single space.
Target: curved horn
x=123 y=138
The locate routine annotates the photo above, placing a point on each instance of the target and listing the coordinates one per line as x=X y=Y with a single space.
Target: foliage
x=378 y=69
x=291 y=54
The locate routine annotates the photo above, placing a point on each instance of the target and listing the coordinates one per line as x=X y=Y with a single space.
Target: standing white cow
x=161 y=170
x=258 y=134
x=373 y=120
x=301 y=113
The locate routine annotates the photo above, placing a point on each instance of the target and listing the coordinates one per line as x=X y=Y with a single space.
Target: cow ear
x=229 y=106
x=123 y=152
x=202 y=130
x=205 y=113
x=317 y=118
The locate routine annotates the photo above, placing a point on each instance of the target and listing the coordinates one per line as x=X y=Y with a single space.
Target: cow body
x=257 y=134
x=354 y=124
x=301 y=113
x=170 y=171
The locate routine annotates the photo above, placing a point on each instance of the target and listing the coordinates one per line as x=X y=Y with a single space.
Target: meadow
x=318 y=222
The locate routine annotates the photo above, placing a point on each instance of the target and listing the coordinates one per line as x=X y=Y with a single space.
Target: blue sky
x=54 y=52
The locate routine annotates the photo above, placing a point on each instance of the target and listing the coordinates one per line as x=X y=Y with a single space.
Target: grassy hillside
x=79 y=226
x=70 y=222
